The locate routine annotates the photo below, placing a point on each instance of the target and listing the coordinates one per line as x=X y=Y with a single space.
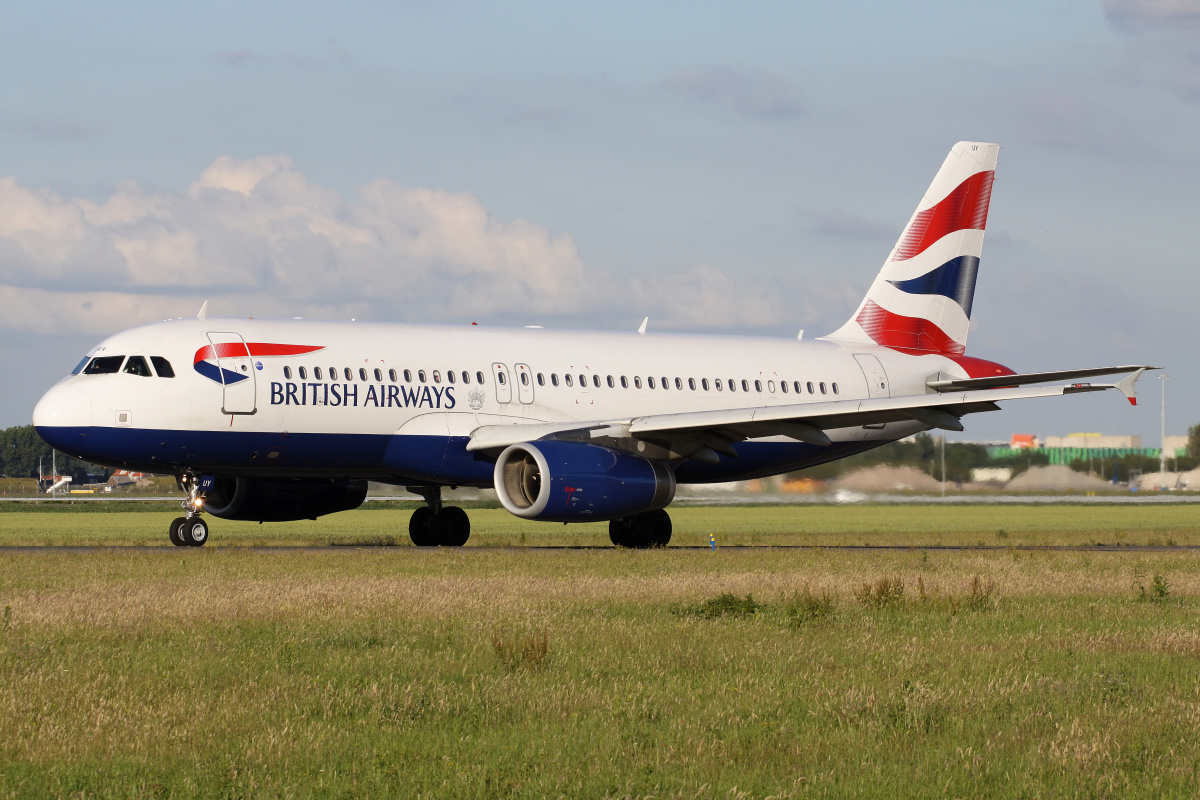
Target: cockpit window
x=104 y=365
x=162 y=367
x=79 y=366
x=136 y=365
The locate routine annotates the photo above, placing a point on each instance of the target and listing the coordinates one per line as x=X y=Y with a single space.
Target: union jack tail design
x=921 y=299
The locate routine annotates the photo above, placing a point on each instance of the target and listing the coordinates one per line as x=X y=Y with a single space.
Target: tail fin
x=921 y=299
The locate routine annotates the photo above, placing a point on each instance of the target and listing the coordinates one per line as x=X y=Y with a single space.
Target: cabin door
x=235 y=372
x=503 y=384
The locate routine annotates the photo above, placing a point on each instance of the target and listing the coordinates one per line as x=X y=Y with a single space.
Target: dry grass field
x=392 y=671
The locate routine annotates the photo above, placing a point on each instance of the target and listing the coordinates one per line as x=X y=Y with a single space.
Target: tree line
x=21 y=447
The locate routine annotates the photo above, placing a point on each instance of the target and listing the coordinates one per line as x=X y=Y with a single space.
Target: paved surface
x=1085 y=548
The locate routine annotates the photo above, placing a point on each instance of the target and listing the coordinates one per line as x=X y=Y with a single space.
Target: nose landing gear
x=435 y=525
x=189 y=530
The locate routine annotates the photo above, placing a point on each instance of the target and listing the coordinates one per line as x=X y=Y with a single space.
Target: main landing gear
x=435 y=525
x=189 y=530
x=641 y=531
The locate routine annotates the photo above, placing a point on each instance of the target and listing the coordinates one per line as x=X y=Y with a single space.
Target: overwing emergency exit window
x=104 y=365
x=162 y=367
x=136 y=365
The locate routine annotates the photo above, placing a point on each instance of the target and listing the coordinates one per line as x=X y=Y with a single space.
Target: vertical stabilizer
x=921 y=299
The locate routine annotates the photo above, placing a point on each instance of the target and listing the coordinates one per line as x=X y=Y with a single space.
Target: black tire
x=419 y=529
x=451 y=527
x=618 y=533
x=657 y=528
x=194 y=532
x=175 y=532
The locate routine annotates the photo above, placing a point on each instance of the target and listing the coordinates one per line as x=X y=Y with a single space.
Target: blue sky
x=716 y=166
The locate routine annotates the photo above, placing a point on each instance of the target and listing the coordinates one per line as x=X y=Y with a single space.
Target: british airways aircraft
x=278 y=420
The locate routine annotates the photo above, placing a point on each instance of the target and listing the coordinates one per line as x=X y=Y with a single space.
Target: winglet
x=203 y=311
x=642 y=327
x=1128 y=386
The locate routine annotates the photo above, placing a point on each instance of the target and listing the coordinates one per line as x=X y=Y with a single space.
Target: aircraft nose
x=61 y=408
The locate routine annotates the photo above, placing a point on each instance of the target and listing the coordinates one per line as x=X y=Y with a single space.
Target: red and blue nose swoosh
x=207 y=356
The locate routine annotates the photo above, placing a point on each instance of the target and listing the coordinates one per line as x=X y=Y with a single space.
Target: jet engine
x=579 y=482
x=281 y=499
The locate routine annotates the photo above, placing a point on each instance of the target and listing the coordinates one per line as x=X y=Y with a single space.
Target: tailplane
x=921 y=299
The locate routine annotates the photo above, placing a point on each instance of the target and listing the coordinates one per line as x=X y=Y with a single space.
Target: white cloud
x=1139 y=15
x=259 y=239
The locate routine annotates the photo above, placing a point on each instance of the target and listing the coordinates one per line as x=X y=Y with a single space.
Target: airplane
x=285 y=420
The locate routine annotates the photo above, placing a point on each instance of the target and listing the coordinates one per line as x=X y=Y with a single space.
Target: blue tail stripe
x=955 y=279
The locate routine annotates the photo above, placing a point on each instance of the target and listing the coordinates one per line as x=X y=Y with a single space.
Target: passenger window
x=611 y=384
x=692 y=384
x=582 y=381
x=596 y=381
x=378 y=375
x=666 y=384
x=317 y=373
x=303 y=373
x=421 y=376
x=136 y=365
x=732 y=385
x=679 y=384
x=783 y=386
x=771 y=387
x=287 y=373
x=104 y=365
x=162 y=367
x=810 y=387
x=624 y=382
x=717 y=383
x=650 y=382
x=822 y=387
x=362 y=374
x=437 y=376
x=524 y=378
x=745 y=385
x=450 y=375
x=796 y=386
x=704 y=383
x=567 y=378
x=758 y=386
x=391 y=375
x=554 y=378
x=349 y=374
x=466 y=376
x=541 y=379
x=499 y=377
x=479 y=377
x=79 y=366
x=408 y=376
x=835 y=389
x=637 y=382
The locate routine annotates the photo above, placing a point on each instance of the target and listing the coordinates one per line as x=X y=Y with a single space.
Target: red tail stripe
x=237 y=349
x=965 y=208
x=909 y=333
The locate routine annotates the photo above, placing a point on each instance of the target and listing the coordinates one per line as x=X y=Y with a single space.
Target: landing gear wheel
x=419 y=529
x=175 y=532
x=194 y=532
x=451 y=527
x=642 y=531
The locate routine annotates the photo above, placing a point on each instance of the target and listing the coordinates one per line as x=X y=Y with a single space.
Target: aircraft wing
x=992 y=381
x=702 y=434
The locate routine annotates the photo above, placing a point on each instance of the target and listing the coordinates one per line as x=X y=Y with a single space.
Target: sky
x=719 y=167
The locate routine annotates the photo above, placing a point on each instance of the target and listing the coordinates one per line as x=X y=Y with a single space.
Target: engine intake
x=578 y=482
x=281 y=499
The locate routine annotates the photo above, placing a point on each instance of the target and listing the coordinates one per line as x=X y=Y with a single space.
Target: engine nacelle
x=578 y=482
x=281 y=499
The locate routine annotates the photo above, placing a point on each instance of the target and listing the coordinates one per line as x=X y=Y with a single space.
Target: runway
x=168 y=549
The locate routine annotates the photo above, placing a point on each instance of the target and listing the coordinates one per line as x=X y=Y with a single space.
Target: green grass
x=387 y=523
x=605 y=673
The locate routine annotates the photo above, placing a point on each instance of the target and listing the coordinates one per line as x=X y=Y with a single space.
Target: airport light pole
x=1162 y=453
